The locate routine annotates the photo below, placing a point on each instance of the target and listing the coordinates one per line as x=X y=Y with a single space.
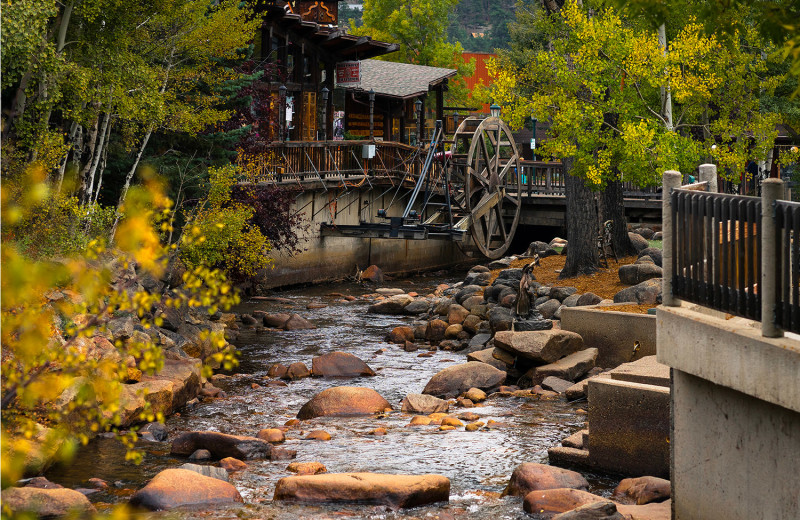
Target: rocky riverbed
x=482 y=435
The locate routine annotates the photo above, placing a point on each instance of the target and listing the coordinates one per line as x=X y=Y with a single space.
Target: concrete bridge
x=346 y=183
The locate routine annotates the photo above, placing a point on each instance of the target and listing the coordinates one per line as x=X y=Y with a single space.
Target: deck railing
x=547 y=178
x=733 y=253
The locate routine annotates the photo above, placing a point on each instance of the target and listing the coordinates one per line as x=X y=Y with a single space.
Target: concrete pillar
x=771 y=190
x=671 y=179
x=708 y=173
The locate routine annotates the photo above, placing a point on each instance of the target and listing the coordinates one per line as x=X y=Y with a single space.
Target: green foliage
x=600 y=89
x=61 y=379
x=220 y=232
x=481 y=16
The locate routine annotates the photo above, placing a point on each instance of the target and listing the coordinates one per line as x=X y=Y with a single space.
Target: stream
x=478 y=464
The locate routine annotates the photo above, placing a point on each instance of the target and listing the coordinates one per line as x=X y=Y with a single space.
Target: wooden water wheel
x=488 y=164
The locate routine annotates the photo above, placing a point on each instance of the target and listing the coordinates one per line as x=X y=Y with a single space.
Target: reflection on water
x=477 y=463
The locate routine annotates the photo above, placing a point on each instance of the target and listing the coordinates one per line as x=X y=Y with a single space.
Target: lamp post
x=418 y=108
x=282 y=115
x=495 y=110
x=533 y=136
x=455 y=121
x=325 y=93
x=371 y=112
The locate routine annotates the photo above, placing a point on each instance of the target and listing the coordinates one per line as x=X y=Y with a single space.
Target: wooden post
x=708 y=173
x=670 y=180
x=771 y=190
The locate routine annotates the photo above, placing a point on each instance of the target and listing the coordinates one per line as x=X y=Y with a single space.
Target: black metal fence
x=717 y=251
x=787 y=309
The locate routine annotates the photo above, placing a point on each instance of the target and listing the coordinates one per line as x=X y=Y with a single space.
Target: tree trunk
x=127 y=185
x=97 y=156
x=613 y=208
x=581 y=226
x=84 y=175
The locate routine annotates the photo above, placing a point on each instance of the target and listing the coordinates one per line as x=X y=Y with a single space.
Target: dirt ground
x=604 y=283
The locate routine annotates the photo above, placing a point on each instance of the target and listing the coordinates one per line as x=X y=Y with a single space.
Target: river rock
x=297 y=370
x=306 y=468
x=605 y=510
x=560 y=293
x=642 y=490
x=395 y=491
x=318 y=435
x=339 y=364
x=200 y=455
x=456 y=314
x=282 y=454
x=297 y=322
x=416 y=307
x=453 y=331
x=42 y=483
x=476 y=395
x=208 y=471
x=645 y=232
x=588 y=298
x=422 y=403
x=500 y=318
x=645 y=293
x=389 y=291
x=276 y=321
x=532 y=476
x=372 y=274
x=556 y=384
x=173 y=488
x=487 y=356
x=637 y=273
x=231 y=464
x=652 y=511
x=548 y=502
x=500 y=263
x=344 y=401
x=221 y=445
x=542 y=346
x=46 y=503
x=549 y=307
x=471 y=323
x=472 y=302
x=655 y=254
x=400 y=335
x=454 y=380
x=467 y=291
x=435 y=330
x=393 y=305
x=443 y=306
x=569 y=368
x=571 y=300
x=271 y=435
x=157 y=430
x=638 y=242
x=278 y=370
x=481 y=279
x=479 y=340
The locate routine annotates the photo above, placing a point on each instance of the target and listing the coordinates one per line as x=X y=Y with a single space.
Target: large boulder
x=548 y=502
x=181 y=487
x=500 y=318
x=561 y=293
x=392 y=305
x=541 y=346
x=339 y=364
x=209 y=471
x=633 y=274
x=487 y=356
x=457 y=379
x=221 y=445
x=549 y=307
x=606 y=510
x=532 y=476
x=46 y=503
x=420 y=306
x=344 y=401
x=645 y=293
x=466 y=291
x=422 y=403
x=569 y=368
x=655 y=254
x=638 y=242
x=435 y=330
x=400 y=335
x=372 y=274
x=297 y=322
x=395 y=491
x=642 y=490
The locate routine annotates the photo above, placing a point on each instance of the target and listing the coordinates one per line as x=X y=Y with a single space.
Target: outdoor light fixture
x=495 y=110
x=382 y=213
x=455 y=120
x=418 y=105
x=413 y=215
x=533 y=136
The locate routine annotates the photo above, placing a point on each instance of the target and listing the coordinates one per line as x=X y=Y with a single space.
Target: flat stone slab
x=486 y=356
x=569 y=368
x=544 y=346
x=647 y=371
x=395 y=491
x=422 y=403
x=181 y=487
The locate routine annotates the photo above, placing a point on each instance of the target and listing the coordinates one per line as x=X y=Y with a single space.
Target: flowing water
x=478 y=464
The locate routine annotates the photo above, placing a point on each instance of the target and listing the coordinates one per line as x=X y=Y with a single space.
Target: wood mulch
x=604 y=283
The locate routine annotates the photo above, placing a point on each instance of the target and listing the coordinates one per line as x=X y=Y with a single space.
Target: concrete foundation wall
x=612 y=333
x=629 y=427
x=736 y=417
x=735 y=457
x=327 y=258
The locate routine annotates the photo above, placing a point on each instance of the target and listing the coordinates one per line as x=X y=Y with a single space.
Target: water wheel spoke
x=485 y=153
x=503 y=231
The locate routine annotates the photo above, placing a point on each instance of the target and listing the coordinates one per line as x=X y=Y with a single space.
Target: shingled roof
x=401 y=80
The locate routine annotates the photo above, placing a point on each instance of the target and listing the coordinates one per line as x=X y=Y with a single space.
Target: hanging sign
x=348 y=73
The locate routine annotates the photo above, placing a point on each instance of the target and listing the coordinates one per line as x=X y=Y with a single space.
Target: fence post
x=708 y=173
x=771 y=190
x=671 y=179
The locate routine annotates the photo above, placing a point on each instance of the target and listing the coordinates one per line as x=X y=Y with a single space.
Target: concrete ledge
x=612 y=333
x=730 y=353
